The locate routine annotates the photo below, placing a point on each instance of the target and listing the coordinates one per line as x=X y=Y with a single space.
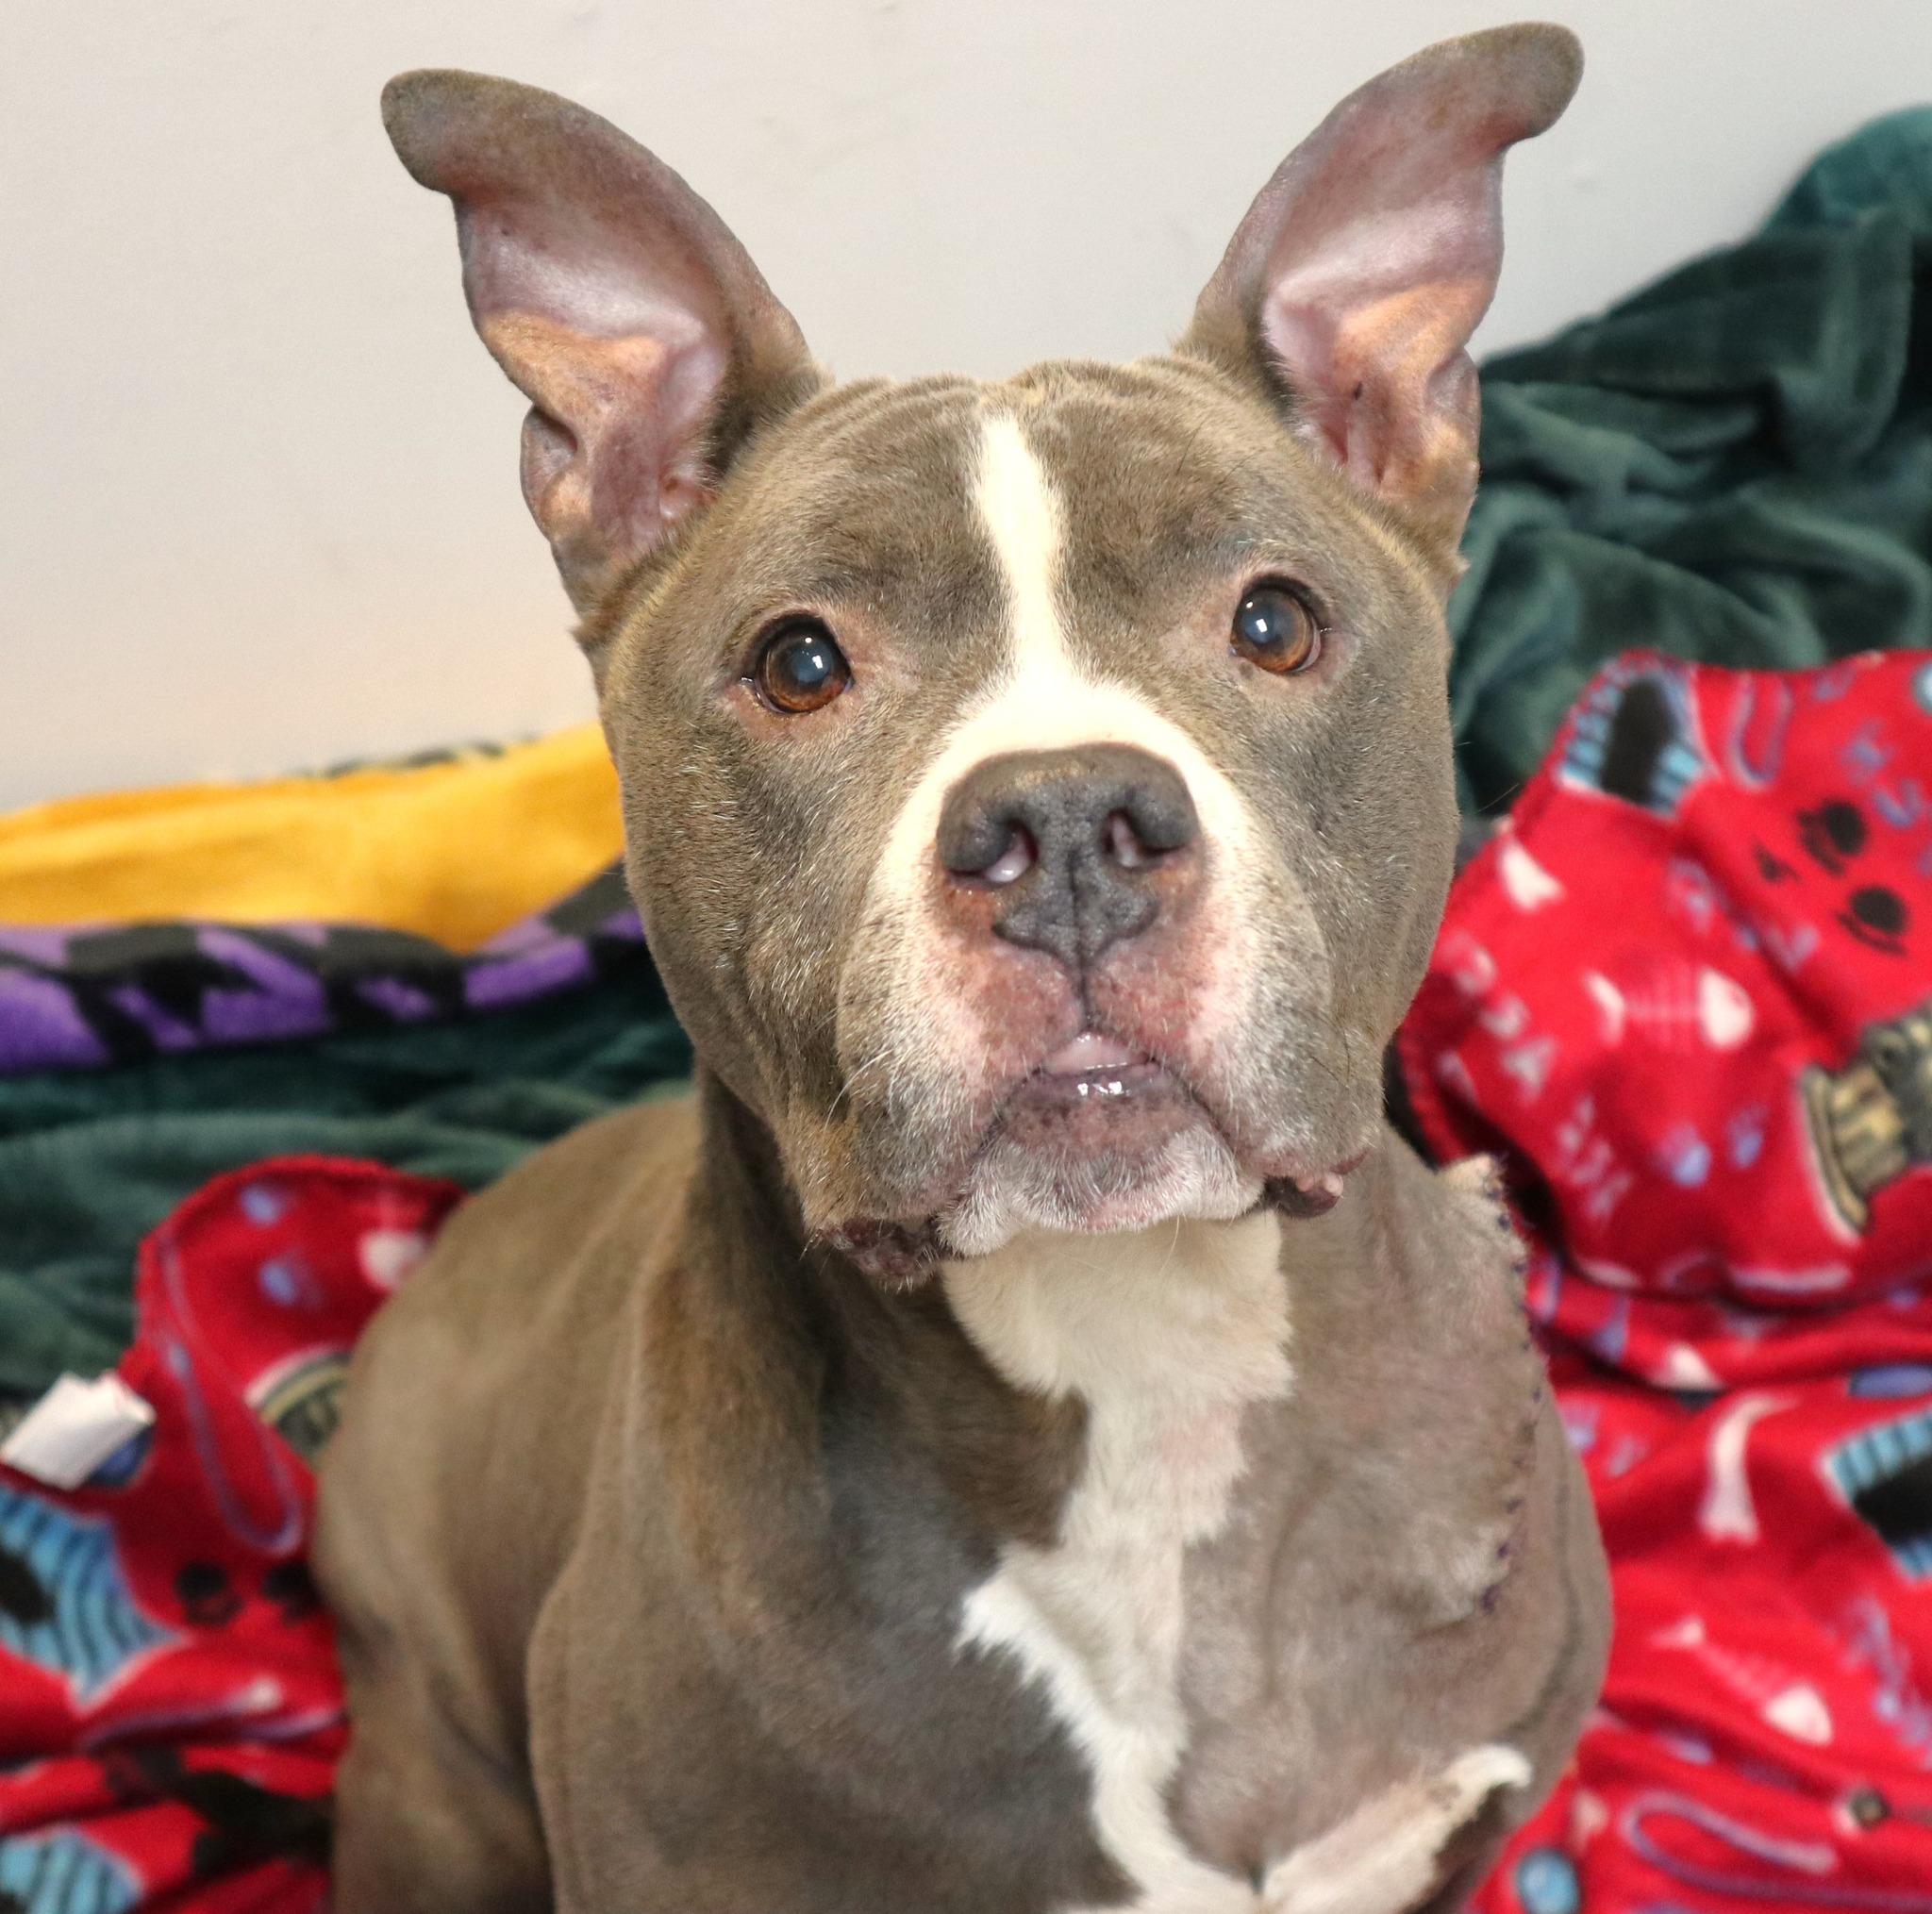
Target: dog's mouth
x=1101 y=1114
x=1095 y=1068
x=1098 y=1135
x=1096 y=1096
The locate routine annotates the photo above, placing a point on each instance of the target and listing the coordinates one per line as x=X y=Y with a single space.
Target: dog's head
x=1038 y=795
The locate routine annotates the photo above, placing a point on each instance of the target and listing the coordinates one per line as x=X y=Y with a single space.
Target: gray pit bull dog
x=1023 y=1434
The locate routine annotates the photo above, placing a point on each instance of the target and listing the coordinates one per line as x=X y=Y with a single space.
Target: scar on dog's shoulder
x=1477 y=1206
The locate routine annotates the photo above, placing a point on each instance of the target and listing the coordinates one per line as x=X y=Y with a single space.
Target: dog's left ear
x=1354 y=283
x=647 y=342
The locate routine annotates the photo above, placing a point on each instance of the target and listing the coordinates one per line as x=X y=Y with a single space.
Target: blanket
x=414 y=1055
x=1734 y=465
x=1685 y=996
x=391 y=845
x=170 y=1711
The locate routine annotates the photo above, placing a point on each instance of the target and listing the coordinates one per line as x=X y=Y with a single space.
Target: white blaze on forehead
x=925 y=1041
x=1041 y=697
x=1022 y=515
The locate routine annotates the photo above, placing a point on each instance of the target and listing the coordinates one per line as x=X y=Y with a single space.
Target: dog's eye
x=1276 y=627
x=799 y=667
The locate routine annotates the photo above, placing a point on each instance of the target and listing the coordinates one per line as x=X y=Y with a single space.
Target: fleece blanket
x=1685 y=995
x=169 y=1712
x=413 y=1056
x=389 y=845
x=1714 y=1111
x=1733 y=465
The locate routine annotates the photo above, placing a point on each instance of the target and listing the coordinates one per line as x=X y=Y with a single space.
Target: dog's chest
x=1170 y=1336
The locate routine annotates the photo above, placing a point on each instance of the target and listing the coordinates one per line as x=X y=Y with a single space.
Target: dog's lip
x=1093 y=1052
x=1091 y=1069
x=1317 y=1193
x=1309 y=1191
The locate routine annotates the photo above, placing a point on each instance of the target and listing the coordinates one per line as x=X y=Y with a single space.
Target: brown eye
x=799 y=667
x=1274 y=628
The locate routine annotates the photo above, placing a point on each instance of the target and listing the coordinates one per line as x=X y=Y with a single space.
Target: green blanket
x=1734 y=465
x=90 y=1161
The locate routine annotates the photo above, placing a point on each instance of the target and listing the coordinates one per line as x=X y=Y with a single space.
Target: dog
x=1023 y=1433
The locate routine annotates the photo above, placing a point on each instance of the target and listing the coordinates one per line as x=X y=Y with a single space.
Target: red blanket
x=167 y=1681
x=1686 y=996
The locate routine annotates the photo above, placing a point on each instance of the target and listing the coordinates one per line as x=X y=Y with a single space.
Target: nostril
x=1154 y=815
x=969 y=863
x=1066 y=851
x=1124 y=842
x=1014 y=863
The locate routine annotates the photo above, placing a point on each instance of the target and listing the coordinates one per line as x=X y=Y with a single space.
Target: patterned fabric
x=1686 y=996
x=1733 y=464
x=77 y=997
x=169 y=1712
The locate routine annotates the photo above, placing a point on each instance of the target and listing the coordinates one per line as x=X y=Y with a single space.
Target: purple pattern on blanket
x=41 y=1027
x=78 y=996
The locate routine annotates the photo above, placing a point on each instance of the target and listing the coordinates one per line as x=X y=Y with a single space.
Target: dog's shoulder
x=480 y=1385
x=1418 y=1391
x=1452 y=1251
x=617 y=1180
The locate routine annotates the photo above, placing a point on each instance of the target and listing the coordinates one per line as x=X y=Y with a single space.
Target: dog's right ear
x=1354 y=283
x=645 y=340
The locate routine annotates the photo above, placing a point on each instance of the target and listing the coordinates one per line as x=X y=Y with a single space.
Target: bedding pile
x=443 y=1063
x=1715 y=1114
x=163 y=1657
x=1734 y=465
x=1683 y=994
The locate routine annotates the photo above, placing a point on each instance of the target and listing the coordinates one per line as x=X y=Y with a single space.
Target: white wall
x=258 y=503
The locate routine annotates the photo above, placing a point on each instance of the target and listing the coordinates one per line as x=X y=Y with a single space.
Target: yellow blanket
x=453 y=851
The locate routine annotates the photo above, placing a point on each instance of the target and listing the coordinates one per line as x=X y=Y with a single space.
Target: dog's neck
x=1005 y=1370
x=1078 y=1403
x=803 y=1365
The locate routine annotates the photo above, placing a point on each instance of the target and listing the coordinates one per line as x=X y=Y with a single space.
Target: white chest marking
x=1167 y=1336
x=1382 y=1857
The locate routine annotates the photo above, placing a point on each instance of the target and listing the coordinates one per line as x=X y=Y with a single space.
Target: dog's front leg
x=427 y=1821
x=1400 y=1849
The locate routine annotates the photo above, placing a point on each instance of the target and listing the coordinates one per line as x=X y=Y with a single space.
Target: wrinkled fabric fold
x=1734 y=465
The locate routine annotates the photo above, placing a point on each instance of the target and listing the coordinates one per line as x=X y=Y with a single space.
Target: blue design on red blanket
x=64 y=1872
x=1884 y=1474
x=69 y=1608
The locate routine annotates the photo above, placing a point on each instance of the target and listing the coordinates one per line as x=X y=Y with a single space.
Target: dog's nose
x=1068 y=841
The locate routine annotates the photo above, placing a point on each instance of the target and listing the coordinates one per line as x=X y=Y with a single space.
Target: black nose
x=1068 y=840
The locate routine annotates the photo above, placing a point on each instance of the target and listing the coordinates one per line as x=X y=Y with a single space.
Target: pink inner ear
x=612 y=295
x=613 y=455
x=1368 y=259
x=1385 y=386
x=1368 y=328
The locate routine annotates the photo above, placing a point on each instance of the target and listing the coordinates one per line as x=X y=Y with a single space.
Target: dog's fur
x=917 y=1470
